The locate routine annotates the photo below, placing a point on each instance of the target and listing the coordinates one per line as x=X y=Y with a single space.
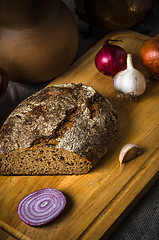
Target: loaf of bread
x=63 y=129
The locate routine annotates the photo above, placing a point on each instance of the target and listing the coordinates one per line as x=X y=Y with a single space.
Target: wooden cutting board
x=98 y=201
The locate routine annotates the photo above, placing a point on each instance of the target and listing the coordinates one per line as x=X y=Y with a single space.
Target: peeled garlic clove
x=129 y=152
x=130 y=81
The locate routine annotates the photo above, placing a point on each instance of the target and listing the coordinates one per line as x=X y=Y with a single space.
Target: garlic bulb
x=130 y=81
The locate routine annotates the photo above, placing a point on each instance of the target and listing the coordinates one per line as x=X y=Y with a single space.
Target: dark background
x=143 y=221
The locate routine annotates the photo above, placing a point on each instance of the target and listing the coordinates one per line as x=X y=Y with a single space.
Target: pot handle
x=3 y=81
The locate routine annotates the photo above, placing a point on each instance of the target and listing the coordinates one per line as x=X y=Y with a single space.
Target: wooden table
x=97 y=202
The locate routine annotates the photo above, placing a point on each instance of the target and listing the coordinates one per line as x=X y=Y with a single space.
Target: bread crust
x=72 y=117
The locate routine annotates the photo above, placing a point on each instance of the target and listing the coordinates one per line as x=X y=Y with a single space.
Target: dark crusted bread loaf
x=64 y=129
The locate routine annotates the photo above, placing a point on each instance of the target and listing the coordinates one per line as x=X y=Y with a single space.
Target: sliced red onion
x=41 y=207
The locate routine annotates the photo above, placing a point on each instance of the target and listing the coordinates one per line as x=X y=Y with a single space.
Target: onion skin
x=149 y=55
x=111 y=59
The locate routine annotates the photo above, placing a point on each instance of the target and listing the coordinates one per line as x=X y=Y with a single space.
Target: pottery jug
x=38 y=39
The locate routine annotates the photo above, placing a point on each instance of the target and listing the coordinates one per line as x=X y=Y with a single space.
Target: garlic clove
x=129 y=152
x=130 y=82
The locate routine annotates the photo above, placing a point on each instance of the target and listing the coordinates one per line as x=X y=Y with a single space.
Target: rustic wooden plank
x=99 y=200
x=12 y=232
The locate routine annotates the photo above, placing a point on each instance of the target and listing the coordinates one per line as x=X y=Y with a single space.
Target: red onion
x=41 y=207
x=111 y=59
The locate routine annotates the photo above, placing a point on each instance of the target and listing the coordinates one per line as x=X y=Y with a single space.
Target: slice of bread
x=63 y=129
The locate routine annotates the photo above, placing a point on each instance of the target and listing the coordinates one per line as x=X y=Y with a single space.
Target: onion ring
x=41 y=207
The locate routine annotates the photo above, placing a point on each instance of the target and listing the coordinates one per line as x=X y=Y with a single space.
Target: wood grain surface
x=97 y=202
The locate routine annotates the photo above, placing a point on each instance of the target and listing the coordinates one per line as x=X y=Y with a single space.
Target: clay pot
x=113 y=14
x=38 y=39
